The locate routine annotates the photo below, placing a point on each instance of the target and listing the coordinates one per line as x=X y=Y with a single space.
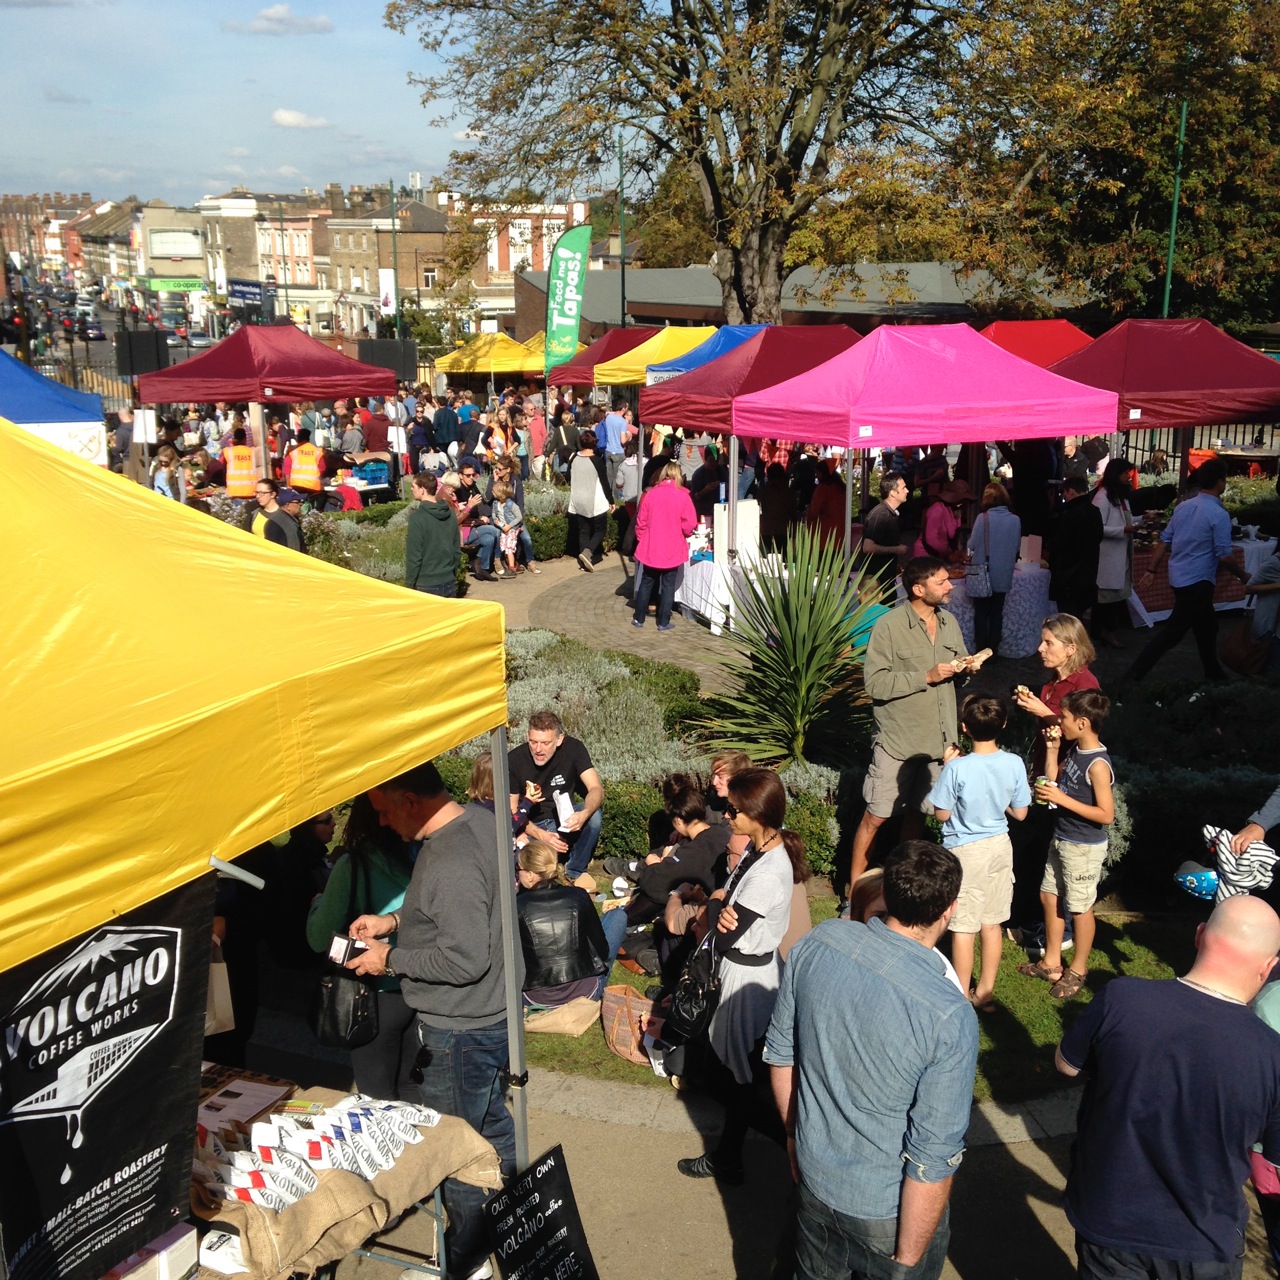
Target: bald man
x=1182 y=1080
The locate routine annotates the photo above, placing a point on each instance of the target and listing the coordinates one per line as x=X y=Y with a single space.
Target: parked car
x=93 y=332
x=199 y=338
x=171 y=339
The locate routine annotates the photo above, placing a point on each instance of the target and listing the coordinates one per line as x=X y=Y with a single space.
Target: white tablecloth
x=704 y=590
x=1025 y=608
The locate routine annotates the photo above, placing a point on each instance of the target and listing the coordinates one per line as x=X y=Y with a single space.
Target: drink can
x=1040 y=782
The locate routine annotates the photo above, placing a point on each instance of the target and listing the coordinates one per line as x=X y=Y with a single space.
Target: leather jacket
x=561 y=935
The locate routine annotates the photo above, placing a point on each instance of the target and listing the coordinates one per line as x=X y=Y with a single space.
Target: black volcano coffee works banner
x=535 y=1228
x=99 y=1077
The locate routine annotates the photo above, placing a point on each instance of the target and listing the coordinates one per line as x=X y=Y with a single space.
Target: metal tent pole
x=731 y=491
x=848 y=508
x=510 y=943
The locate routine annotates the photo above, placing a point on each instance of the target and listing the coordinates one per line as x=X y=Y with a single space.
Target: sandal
x=1070 y=984
x=1034 y=969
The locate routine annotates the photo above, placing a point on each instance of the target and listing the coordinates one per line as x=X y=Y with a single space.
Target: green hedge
x=554 y=536
x=379 y=513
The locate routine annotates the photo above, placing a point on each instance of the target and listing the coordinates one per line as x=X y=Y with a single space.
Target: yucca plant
x=796 y=686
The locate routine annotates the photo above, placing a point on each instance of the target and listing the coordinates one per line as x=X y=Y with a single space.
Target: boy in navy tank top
x=1079 y=781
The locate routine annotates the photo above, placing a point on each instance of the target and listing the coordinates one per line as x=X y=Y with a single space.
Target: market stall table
x=1154 y=603
x=345 y=1211
x=1243 y=461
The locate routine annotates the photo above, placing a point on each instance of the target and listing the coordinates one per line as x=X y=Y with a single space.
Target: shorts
x=896 y=784
x=986 y=891
x=1073 y=872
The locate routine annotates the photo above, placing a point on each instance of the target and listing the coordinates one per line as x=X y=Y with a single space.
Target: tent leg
x=510 y=941
x=848 y=510
x=258 y=424
x=731 y=492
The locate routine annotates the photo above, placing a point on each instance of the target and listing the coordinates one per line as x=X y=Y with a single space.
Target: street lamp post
x=284 y=264
x=622 y=232
x=395 y=261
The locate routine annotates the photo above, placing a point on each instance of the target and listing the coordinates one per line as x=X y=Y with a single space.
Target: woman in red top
x=1066 y=651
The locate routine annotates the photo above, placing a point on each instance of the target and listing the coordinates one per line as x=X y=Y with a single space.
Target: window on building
x=364 y=241
x=366 y=280
x=428 y=277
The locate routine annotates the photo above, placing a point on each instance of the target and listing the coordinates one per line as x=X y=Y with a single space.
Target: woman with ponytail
x=750 y=916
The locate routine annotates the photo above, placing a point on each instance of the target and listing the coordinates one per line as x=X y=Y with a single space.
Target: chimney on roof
x=337 y=201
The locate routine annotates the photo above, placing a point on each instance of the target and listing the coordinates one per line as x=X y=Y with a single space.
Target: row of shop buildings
x=329 y=259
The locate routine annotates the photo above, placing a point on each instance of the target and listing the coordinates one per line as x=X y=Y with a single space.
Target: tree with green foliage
x=752 y=97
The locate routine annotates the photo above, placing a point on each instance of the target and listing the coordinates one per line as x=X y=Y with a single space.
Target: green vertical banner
x=564 y=295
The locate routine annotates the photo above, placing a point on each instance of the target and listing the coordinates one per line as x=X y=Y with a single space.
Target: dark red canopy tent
x=1040 y=342
x=1178 y=373
x=703 y=397
x=265 y=363
x=581 y=371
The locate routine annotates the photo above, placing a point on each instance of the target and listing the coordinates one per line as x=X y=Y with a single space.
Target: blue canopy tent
x=71 y=419
x=720 y=343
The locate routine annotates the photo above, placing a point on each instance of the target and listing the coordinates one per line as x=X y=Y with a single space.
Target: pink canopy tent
x=1043 y=342
x=919 y=384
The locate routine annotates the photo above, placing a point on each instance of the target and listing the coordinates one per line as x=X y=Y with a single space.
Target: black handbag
x=697 y=993
x=696 y=996
x=344 y=1009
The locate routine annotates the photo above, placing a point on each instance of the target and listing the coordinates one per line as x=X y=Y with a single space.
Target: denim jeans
x=462 y=1078
x=833 y=1246
x=582 y=843
x=485 y=537
x=1098 y=1262
x=666 y=582
x=527 y=543
x=614 y=924
x=447 y=589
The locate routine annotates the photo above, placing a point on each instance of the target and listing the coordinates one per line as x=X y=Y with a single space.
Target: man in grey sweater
x=447 y=951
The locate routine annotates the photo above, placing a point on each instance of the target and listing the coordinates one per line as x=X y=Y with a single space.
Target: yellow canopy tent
x=538 y=345
x=490 y=353
x=629 y=368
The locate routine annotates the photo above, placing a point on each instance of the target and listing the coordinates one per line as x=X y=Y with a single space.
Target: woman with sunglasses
x=750 y=916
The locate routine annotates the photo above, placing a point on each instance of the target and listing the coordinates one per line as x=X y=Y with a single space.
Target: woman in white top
x=1115 y=555
x=589 y=502
x=750 y=915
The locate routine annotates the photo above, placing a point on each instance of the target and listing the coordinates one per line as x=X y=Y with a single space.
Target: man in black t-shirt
x=882 y=544
x=1182 y=1080
x=558 y=766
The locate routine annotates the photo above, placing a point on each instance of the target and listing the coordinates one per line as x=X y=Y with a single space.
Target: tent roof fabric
x=29 y=397
x=1043 y=342
x=1178 y=373
x=124 y=780
x=631 y=368
x=703 y=398
x=264 y=363
x=487 y=353
x=581 y=370
x=920 y=384
x=720 y=343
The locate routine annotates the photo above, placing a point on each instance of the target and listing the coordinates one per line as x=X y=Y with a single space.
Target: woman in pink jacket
x=666 y=518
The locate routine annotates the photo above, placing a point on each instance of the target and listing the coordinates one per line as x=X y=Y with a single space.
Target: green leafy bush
x=456 y=772
x=624 y=832
x=379 y=513
x=814 y=821
x=796 y=682
x=554 y=536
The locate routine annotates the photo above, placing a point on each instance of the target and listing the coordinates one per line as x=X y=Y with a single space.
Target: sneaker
x=629 y=867
x=483 y=1272
x=533 y=568
x=637 y=622
x=732 y=1175
x=584 y=559
x=671 y=626
x=485 y=575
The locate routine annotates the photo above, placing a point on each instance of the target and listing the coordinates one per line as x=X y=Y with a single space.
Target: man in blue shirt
x=612 y=431
x=872 y=1051
x=1197 y=541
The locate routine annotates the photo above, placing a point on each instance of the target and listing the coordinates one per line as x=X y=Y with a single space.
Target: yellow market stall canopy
x=175 y=688
x=489 y=353
x=538 y=345
x=629 y=368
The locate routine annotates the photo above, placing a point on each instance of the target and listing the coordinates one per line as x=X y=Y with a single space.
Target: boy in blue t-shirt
x=1083 y=780
x=972 y=798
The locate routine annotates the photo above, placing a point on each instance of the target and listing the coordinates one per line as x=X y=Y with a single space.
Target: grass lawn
x=1015 y=1058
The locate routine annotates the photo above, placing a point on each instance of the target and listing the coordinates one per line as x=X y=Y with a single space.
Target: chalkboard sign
x=535 y=1228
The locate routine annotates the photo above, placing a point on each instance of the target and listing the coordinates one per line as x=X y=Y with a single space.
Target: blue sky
x=187 y=98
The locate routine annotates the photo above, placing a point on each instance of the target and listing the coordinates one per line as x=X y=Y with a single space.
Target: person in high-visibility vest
x=242 y=467
x=304 y=465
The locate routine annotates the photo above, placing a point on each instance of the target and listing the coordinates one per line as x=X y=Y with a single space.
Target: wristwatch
x=388 y=968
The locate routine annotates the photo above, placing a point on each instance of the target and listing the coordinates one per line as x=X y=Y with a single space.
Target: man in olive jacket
x=434 y=544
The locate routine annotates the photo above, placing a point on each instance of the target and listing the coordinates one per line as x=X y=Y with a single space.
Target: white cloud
x=239 y=152
x=280 y=20
x=54 y=94
x=469 y=135
x=113 y=175
x=288 y=118
x=288 y=171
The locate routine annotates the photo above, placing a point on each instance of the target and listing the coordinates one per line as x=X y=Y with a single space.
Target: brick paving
x=587 y=607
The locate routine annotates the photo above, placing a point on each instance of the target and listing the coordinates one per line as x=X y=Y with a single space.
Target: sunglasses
x=731 y=811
